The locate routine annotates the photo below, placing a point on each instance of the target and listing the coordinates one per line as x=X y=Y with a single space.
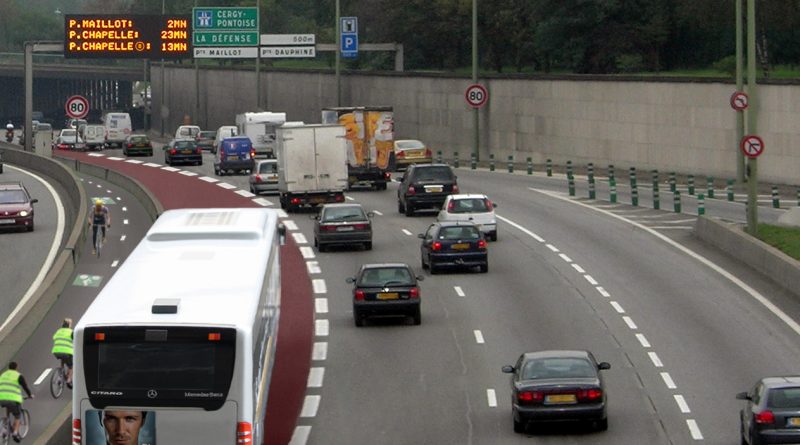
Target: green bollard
x=438 y=156
x=776 y=200
x=730 y=190
x=655 y=178
x=701 y=205
x=571 y=184
x=656 y=199
x=611 y=172
x=473 y=162
x=455 y=159
x=798 y=197
x=672 y=182
x=710 y=186
x=690 y=181
x=510 y=163
x=530 y=166
x=590 y=170
x=612 y=191
x=634 y=196
x=549 y=167
x=569 y=169
x=491 y=162
x=592 y=193
x=632 y=176
x=676 y=201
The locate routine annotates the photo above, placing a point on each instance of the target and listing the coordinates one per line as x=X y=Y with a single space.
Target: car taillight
x=258 y=178
x=400 y=155
x=489 y=205
x=252 y=153
x=414 y=292
x=359 y=295
x=173 y=151
x=76 y=431
x=327 y=228
x=428 y=153
x=222 y=151
x=361 y=226
x=455 y=188
x=198 y=150
x=130 y=145
x=295 y=201
x=63 y=146
x=339 y=198
x=450 y=206
x=436 y=246
x=387 y=176
x=765 y=417
x=589 y=395
x=411 y=190
x=244 y=432
x=481 y=244
x=530 y=397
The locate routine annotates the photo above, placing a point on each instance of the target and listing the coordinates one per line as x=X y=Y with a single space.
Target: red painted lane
x=293 y=353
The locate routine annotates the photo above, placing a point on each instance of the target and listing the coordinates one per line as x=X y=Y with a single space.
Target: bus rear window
x=156 y=365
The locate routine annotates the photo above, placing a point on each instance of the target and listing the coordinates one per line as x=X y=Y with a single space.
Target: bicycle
x=100 y=237
x=7 y=425
x=58 y=380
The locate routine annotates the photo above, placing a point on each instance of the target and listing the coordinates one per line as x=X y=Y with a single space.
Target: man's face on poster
x=122 y=427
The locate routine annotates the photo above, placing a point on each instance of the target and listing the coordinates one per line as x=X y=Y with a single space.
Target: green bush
x=726 y=65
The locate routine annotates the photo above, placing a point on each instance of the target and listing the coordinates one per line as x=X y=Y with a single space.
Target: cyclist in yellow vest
x=11 y=385
x=62 y=347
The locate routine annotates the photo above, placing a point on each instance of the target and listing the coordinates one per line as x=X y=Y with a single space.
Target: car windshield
x=397 y=276
x=433 y=174
x=469 y=205
x=408 y=145
x=268 y=167
x=459 y=233
x=12 y=197
x=343 y=214
x=558 y=368
x=784 y=398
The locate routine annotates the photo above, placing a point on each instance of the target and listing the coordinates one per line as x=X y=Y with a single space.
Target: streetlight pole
x=752 y=163
x=163 y=80
x=475 y=111
x=338 y=57
x=740 y=175
x=258 y=56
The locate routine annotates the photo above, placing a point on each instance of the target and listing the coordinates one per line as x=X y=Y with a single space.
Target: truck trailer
x=260 y=128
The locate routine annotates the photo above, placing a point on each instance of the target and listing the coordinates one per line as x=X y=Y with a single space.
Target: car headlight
x=23 y=213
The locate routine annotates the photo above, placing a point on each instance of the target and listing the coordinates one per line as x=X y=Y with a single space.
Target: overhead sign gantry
x=127 y=36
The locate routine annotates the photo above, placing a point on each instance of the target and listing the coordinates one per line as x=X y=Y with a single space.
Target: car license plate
x=794 y=421
x=560 y=398
x=344 y=228
x=318 y=199
x=6 y=221
x=461 y=246
x=186 y=152
x=437 y=189
x=387 y=296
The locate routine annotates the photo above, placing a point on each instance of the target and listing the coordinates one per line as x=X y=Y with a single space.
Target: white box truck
x=312 y=165
x=260 y=128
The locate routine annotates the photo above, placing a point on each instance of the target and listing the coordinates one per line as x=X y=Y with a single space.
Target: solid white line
x=99 y=186
x=631 y=211
x=290 y=225
x=51 y=255
x=124 y=221
x=245 y=193
x=684 y=407
x=321 y=305
x=208 y=179
x=617 y=307
x=565 y=257
x=313 y=267
x=643 y=340
x=300 y=435
x=307 y=252
x=119 y=199
x=578 y=268
x=590 y=280
x=320 y=351
x=407 y=232
x=188 y=173
x=602 y=291
x=694 y=429
x=315 y=377
x=319 y=286
x=478 y=337
x=115 y=263
x=377 y=212
x=679 y=221
x=713 y=266
x=321 y=328
x=553 y=248
x=522 y=229
x=43 y=376
x=629 y=322
x=108 y=191
x=672 y=227
x=226 y=186
x=668 y=380
x=656 y=361
x=263 y=202
x=310 y=406
x=299 y=238
x=459 y=291
x=122 y=238
x=96 y=155
x=491 y=397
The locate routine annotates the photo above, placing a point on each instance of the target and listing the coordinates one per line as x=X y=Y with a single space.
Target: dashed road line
x=520 y=228
x=188 y=173
x=321 y=305
x=290 y=224
x=208 y=179
x=134 y=161
x=565 y=257
x=321 y=328
x=655 y=359
x=459 y=291
x=617 y=307
x=299 y=238
x=643 y=340
x=478 y=337
x=310 y=406
x=694 y=430
x=263 y=202
x=307 y=252
x=682 y=405
x=151 y=164
x=628 y=321
x=377 y=212
x=125 y=221
x=407 y=232
x=115 y=158
x=313 y=267
x=590 y=279
x=320 y=351
x=43 y=376
x=319 y=286
x=114 y=264
x=300 y=435
x=602 y=291
x=578 y=268
x=315 y=377
x=96 y=155
x=170 y=169
x=226 y=186
x=553 y=248
x=668 y=380
x=124 y=209
x=491 y=398
x=122 y=238
x=245 y=193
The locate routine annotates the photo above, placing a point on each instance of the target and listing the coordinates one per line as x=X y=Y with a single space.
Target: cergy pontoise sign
x=126 y=36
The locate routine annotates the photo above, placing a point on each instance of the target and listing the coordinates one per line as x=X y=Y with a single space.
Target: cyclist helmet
x=98 y=203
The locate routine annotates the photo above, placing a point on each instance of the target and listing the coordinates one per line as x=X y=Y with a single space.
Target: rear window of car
x=407 y=145
x=784 y=398
x=184 y=144
x=343 y=214
x=459 y=232
x=139 y=139
x=552 y=368
x=386 y=275
x=208 y=134
x=442 y=173
x=468 y=205
x=268 y=167
x=13 y=197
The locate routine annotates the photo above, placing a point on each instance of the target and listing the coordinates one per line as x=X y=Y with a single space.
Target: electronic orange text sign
x=118 y=36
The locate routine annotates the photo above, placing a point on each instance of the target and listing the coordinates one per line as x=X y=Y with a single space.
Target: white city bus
x=178 y=347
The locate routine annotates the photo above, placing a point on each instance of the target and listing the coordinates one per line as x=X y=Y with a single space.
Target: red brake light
x=214 y=336
x=455 y=188
x=130 y=145
x=387 y=175
x=295 y=201
x=481 y=244
x=244 y=432
x=589 y=395
x=411 y=190
x=198 y=150
x=436 y=246
x=327 y=228
x=99 y=336
x=258 y=178
x=450 y=206
x=360 y=295
x=252 y=153
x=76 y=431
x=361 y=226
x=489 y=205
x=339 y=198
x=428 y=153
x=401 y=154
x=414 y=292
x=530 y=397
x=222 y=150
x=173 y=151
x=765 y=417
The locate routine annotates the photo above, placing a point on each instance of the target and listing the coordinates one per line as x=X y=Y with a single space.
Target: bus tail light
x=99 y=336
x=214 y=336
x=76 y=431
x=244 y=432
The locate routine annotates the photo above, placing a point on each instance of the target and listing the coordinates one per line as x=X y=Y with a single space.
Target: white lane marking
x=171 y=169
x=491 y=398
x=300 y=435
x=377 y=212
x=643 y=340
x=789 y=321
x=313 y=267
x=226 y=186
x=668 y=380
x=263 y=202
x=321 y=305
x=290 y=224
x=122 y=238
x=459 y=291
x=684 y=407
x=124 y=209
x=43 y=376
x=125 y=221
x=99 y=186
x=694 y=429
x=108 y=191
x=96 y=155
x=632 y=211
x=310 y=406
x=321 y=328
x=315 y=377
x=603 y=292
x=656 y=361
x=349 y=198
x=119 y=199
x=553 y=248
x=114 y=158
x=320 y=351
x=679 y=221
x=188 y=173
x=307 y=252
x=115 y=263
x=565 y=258
x=478 y=337
x=208 y=179
x=578 y=268
x=90 y=182
x=319 y=286
x=299 y=238
x=407 y=232
x=672 y=227
x=134 y=161
x=244 y=193
x=281 y=213
x=51 y=255
x=590 y=280
x=519 y=227
x=152 y=164
x=617 y=307
x=628 y=321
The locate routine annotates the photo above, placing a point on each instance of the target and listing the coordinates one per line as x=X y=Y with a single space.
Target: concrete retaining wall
x=682 y=126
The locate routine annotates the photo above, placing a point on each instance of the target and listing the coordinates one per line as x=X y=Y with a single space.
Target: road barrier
x=455 y=159
x=729 y=190
x=676 y=201
x=491 y=162
x=592 y=194
x=701 y=204
x=611 y=171
x=511 y=164
x=438 y=156
x=656 y=197
x=473 y=161
x=569 y=169
x=672 y=182
x=710 y=186
x=549 y=167
x=612 y=190
x=530 y=166
x=634 y=196
x=571 y=185
x=690 y=181
x=632 y=176
x=776 y=199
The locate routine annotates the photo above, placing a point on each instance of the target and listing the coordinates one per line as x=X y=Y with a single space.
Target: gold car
x=411 y=151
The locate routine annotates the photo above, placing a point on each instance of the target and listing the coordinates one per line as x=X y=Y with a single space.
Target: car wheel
x=602 y=424
x=125 y=153
x=409 y=210
x=493 y=236
x=368 y=246
x=358 y=319
x=400 y=207
x=30 y=227
x=519 y=427
x=433 y=268
x=321 y=247
x=417 y=316
x=485 y=267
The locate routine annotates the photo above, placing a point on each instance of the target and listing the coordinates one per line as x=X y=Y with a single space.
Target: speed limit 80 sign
x=476 y=95
x=77 y=107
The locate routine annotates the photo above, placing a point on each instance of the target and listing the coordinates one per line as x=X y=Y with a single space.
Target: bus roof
x=211 y=260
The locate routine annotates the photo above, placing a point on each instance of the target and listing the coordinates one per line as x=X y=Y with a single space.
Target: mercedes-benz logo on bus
x=152 y=393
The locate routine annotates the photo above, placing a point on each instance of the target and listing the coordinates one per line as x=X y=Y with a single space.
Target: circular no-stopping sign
x=752 y=146
x=476 y=95
x=77 y=107
x=739 y=100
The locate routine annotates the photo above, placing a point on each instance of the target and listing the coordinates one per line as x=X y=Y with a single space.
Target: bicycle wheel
x=98 y=243
x=57 y=383
x=25 y=423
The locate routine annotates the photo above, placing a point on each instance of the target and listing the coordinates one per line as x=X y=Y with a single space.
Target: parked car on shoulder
x=205 y=140
x=410 y=151
x=264 y=177
x=425 y=186
x=453 y=244
x=343 y=224
x=474 y=208
x=137 y=144
x=182 y=151
x=386 y=289
x=16 y=206
x=235 y=154
x=772 y=411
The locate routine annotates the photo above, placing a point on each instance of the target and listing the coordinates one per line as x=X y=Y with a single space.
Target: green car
x=137 y=144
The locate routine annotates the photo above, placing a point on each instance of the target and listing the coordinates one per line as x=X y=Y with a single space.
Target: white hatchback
x=475 y=208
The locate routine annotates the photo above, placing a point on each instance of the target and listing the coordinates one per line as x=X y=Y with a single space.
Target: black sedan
x=343 y=224
x=551 y=386
x=183 y=150
x=453 y=244
x=385 y=289
x=772 y=412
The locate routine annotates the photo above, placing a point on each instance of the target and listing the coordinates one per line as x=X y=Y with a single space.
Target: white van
x=225 y=131
x=94 y=136
x=118 y=128
x=187 y=132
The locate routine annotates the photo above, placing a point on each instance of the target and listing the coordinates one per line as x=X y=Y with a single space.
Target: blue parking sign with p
x=349 y=37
